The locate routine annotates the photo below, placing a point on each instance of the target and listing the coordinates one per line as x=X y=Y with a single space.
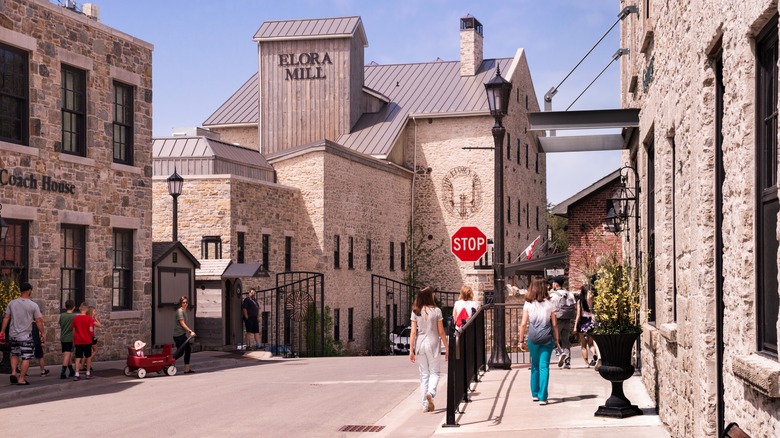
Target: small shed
x=173 y=276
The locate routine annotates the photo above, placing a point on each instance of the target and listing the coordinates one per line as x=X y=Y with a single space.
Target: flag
x=529 y=251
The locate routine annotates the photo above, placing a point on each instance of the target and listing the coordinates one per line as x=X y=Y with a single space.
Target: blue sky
x=203 y=52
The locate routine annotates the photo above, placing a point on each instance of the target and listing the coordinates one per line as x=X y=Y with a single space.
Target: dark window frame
x=402 y=252
x=240 y=246
x=123 y=122
x=337 y=325
x=767 y=205
x=15 y=95
x=351 y=253
x=650 y=214
x=392 y=256
x=266 y=248
x=15 y=252
x=122 y=278
x=73 y=96
x=509 y=209
x=206 y=242
x=73 y=246
x=336 y=252
x=287 y=253
x=368 y=254
x=350 y=324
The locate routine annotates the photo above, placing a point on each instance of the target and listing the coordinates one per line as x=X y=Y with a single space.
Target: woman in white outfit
x=426 y=338
x=465 y=307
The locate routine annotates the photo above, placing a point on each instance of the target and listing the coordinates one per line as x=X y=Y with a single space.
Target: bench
x=734 y=431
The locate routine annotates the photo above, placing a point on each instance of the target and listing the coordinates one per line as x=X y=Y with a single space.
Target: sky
x=203 y=52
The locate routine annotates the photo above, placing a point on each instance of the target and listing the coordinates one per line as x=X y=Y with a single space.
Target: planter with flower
x=616 y=328
x=9 y=290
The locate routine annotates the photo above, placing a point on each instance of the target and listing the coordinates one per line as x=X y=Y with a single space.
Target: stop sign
x=469 y=244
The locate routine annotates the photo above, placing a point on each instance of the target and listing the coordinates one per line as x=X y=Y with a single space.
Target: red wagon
x=152 y=363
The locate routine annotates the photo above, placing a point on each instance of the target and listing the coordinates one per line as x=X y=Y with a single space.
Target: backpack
x=565 y=307
x=462 y=317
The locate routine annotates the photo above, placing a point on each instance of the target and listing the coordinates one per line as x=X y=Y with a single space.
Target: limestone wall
x=678 y=116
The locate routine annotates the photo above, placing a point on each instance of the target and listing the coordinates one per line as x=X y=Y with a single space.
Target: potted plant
x=9 y=290
x=617 y=326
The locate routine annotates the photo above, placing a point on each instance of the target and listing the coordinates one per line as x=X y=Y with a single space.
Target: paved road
x=290 y=397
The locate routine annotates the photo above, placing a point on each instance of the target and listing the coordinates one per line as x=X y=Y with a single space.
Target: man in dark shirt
x=250 y=310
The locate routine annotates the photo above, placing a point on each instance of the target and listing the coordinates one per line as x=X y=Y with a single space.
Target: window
x=14 y=252
x=403 y=256
x=240 y=249
x=337 y=325
x=211 y=247
x=518 y=151
x=392 y=256
x=537 y=217
x=674 y=229
x=287 y=253
x=123 y=123
x=527 y=216
x=509 y=209
x=766 y=190
x=526 y=155
x=122 y=288
x=72 y=245
x=508 y=146
x=350 y=320
x=14 y=104
x=74 y=108
x=266 y=250
x=351 y=253
x=537 y=162
x=519 y=212
x=336 y=252
x=651 y=310
x=368 y=254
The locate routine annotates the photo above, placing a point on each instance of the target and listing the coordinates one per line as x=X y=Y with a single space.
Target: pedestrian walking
x=182 y=334
x=39 y=344
x=464 y=307
x=583 y=324
x=83 y=331
x=92 y=312
x=427 y=335
x=66 y=338
x=539 y=317
x=250 y=310
x=20 y=314
x=565 y=314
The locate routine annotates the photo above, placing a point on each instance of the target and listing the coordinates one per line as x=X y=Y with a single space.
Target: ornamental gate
x=292 y=314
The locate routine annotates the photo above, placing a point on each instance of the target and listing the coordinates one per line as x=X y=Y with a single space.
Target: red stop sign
x=469 y=244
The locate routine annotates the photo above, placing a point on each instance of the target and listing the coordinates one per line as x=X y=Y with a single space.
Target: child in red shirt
x=83 y=328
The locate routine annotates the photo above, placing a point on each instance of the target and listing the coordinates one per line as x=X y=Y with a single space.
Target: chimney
x=91 y=10
x=470 y=45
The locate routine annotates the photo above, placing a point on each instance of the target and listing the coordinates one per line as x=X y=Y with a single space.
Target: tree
x=559 y=227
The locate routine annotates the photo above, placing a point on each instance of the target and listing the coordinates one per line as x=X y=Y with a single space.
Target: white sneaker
x=543 y=402
x=562 y=359
x=425 y=406
x=535 y=398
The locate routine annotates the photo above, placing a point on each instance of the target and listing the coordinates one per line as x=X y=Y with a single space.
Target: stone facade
x=244 y=136
x=671 y=76
x=94 y=192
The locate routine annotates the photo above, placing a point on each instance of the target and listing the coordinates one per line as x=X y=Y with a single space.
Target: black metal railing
x=512 y=318
x=467 y=361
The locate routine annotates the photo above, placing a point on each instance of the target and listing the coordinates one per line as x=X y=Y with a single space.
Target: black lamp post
x=623 y=204
x=175 y=182
x=498 y=90
x=3 y=225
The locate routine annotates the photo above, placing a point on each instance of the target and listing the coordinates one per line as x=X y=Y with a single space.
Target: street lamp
x=3 y=225
x=622 y=205
x=175 y=182
x=498 y=90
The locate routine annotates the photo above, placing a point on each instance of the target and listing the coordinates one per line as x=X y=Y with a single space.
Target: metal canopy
x=592 y=119
x=625 y=119
x=238 y=270
x=537 y=266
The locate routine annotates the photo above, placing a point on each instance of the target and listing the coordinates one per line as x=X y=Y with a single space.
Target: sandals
x=14 y=380
x=23 y=384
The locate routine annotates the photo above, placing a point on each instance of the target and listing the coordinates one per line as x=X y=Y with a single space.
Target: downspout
x=414 y=180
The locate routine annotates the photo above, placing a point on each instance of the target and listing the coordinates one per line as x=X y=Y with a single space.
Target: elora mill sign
x=303 y=66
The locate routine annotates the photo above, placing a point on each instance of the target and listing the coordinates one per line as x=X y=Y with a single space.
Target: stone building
x=76 y=167
x=361 y=155
x=706 y=154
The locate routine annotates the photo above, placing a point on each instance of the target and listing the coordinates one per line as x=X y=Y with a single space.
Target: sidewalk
x=108 y=373
x=501 y=406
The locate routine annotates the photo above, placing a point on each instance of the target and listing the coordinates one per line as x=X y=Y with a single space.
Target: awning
x=537 y=266
x=240 y=270
x=625 y=119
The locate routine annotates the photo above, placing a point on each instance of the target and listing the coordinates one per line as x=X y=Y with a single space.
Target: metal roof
x=240 y=109
x=338 y=27
x=562 y=208
x=204 y=147
x=537 y=266
x=212 y=269
x=626 y=119
x=426 y=89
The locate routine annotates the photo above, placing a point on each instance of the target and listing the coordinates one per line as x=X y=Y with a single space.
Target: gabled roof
x=562 y=208
x=160 y=250
x=338 y=27
x=431 y=89
x=204 y=147
x=212 y=269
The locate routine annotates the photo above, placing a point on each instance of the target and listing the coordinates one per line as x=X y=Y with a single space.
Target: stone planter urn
x=616 y=367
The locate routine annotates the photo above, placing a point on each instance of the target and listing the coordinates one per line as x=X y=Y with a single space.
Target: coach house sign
x=302 y=66
x=462 y=192
x=32 y=182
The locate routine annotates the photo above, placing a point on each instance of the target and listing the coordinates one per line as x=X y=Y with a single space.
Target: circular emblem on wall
x=462 y=192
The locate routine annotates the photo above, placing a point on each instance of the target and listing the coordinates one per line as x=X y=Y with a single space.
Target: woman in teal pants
x=539 y=317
